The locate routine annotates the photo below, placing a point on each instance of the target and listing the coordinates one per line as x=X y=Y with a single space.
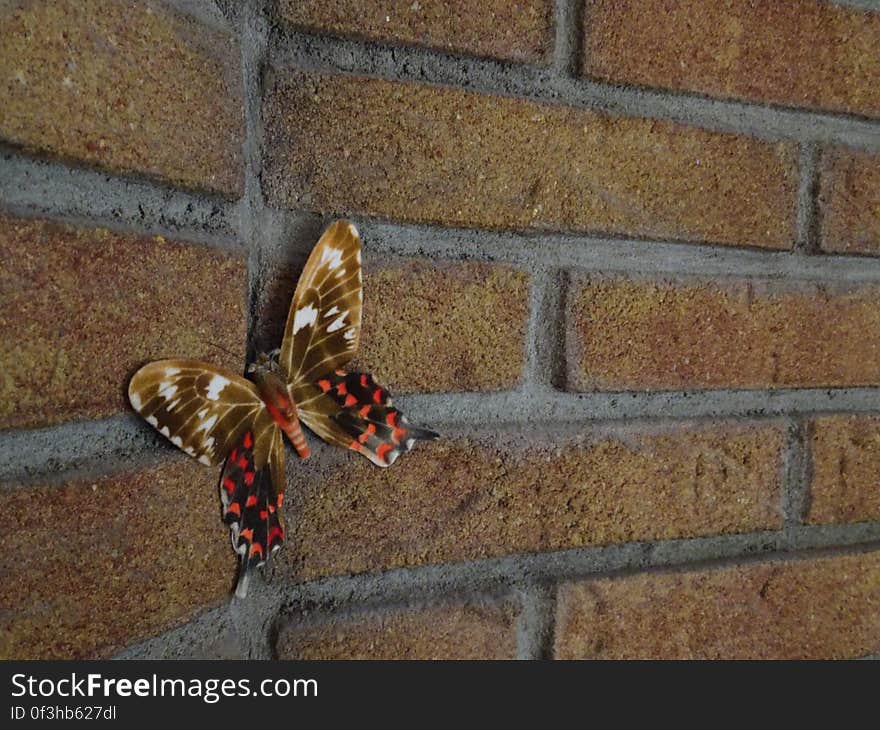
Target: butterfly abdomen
x=280 y=406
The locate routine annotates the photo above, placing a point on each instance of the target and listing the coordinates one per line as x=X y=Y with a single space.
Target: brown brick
x=435 y=154
x=801 y=53
x=128 y=86
x=93 y=564
x=474 y=497
x=845 y=469
x=849 y=201
x=431 y=326
x=82 y=308
x=477 y=629
x=521 y=31
x=628 y=333
x=806 y=609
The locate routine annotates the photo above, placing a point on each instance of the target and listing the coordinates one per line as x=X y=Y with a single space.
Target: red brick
x=84 y=307
x=849 y=202
x=632 y=333
x=94 y=564
x=845 y=454
x=127 y=86
x=818 y=608
x=475 y=629
x=801 y=53
x=482 y=496
x=521 y=31
x=440 y=155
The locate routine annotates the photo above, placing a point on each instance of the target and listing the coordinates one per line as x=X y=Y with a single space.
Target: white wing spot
x=152 y=421
x=204 y=459
x=171 y=406
x=165 y=432
x=304 y=317
x=167 y=389
x=215 y=387
x=207 y=425
x=338 y=323
x=330 y=312
x=177 y=441
x=171 y=372
x=353 y=231
x=190 y=450
x=349 y=334
x=136 y=402
x=209 y=444
x=340 y=273
x=332 y=257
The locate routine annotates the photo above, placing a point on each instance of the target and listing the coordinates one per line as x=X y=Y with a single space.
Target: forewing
x=353 y=411
x=324 y=323
x=202 y=409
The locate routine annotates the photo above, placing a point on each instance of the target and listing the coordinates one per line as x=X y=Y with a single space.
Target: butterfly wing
x=353 y=411
x=202 y=409
x=252 y=498
x=324 y=322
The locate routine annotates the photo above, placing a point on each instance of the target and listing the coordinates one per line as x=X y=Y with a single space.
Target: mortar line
x=806 y=224
x=796 y=481
x=29 y=455
x=35 y=188
x=533 y=250
x=567 y=40
x=500 y=576
x=543 y=357
x=310 y=52
x=537 y=622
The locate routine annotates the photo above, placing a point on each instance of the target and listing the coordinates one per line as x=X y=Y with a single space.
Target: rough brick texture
x=849 y=202
x=430 y=326
x=802 y=53
x=435 y=154
x=808 y=609
x=630 y=333
x=463 y=498
x=845 y=467
x=475 y=629
x=83 y=308
x=94 y=565
x=128 y=86
x=521 y=31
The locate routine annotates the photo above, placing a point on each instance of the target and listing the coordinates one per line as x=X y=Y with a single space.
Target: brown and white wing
x=324 y=323
x=202 y=409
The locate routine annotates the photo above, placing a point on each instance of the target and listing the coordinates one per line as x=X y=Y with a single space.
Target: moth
x=217 y=417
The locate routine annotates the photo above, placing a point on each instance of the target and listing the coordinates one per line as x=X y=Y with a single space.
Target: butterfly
x=217 y=416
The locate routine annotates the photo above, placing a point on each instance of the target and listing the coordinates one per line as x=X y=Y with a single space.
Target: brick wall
x=621 y=254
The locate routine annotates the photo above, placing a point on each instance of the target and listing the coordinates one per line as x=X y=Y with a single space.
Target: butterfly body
x=217 y=417
x=267 y=376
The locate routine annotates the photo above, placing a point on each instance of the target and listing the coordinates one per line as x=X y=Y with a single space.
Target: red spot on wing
x=234 y=508
x=371 y=429
x=365 y=411
x=324 y=384
x=382 y=451
x=229 y=485
x=248 y=478
x=247 y=534
x=364 y=380
x=341 y=389
x=242 y=462
x=377 y=395
x=233 y=455
x=350 y=400
x=391 y=418
x=251 y=501
x=256 y=548
x=275 y=534
x=264 y=514
x=248 y=440
x=354 y=446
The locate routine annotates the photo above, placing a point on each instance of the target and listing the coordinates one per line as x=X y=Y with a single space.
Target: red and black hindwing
x=377 y=429
x=251 y=507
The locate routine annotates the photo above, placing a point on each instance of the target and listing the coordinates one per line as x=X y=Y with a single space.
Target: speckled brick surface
x=474 y=629
x=821 y=608
x=461 y=498
x=440 y=155
x=84 y=307
x=845 y=464
x=96 y=563
x=803 y=53
x=521 y=31
x=663 y=334
x=131 y=87
x=849 y=201
x=431 y=326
